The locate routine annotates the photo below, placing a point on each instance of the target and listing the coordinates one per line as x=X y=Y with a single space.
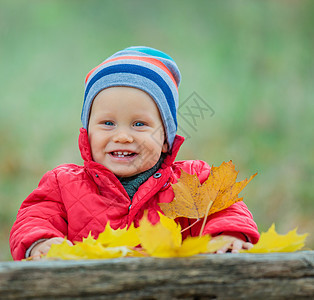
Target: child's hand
x=42 y=248
x=232 y=243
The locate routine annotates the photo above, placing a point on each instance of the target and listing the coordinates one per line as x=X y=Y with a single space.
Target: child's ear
x=164 y=148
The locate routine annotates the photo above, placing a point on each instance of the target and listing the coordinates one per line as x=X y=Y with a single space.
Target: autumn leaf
x=89 y=240
x=223 y=188
x=97 y=251
x=110 y=244
x=193 y=200
x=64 y=251
x=271 y=241
x=165 y=240
x=119 y=237
x=188 y=201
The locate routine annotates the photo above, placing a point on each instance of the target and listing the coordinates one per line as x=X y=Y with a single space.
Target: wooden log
x=210 y=276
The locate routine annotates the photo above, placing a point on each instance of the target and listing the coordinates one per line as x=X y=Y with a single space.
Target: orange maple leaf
x=218 y=192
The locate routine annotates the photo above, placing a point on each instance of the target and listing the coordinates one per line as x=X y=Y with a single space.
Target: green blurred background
x=251 y=61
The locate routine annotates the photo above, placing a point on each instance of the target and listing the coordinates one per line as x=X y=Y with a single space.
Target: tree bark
x=210 y=276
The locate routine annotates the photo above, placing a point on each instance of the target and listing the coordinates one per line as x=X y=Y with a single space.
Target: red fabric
x=73 y=200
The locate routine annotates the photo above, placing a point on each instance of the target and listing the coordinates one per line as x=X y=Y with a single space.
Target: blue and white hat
x=147 y=69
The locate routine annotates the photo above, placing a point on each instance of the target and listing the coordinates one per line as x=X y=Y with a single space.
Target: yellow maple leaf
x=64 y=251
x=119 y=237
x=165 y=240
x=108 y=245
x=97 y=251
x=89 y=240
x=193 y=200
x=271 y=241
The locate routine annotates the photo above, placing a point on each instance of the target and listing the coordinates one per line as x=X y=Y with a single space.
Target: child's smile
x=126 y=131
x=123 y=154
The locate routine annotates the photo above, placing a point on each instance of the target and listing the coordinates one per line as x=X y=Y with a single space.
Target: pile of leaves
x=161 y=240
x=192 y=200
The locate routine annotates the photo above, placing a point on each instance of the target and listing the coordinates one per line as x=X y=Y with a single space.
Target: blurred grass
x=251 y=61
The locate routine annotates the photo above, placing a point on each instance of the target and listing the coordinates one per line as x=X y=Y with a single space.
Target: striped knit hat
x=144 y=68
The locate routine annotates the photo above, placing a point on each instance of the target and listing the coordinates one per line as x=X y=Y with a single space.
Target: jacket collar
x=86 y=152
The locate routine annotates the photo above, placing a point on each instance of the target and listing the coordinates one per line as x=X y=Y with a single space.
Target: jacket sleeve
x=234 y=220
x=41 y=216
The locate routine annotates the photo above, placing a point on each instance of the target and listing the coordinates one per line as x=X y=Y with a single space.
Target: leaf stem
x=190 y=225
x=206 y=215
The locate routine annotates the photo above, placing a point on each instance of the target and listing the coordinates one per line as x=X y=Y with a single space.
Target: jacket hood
x=86 y=152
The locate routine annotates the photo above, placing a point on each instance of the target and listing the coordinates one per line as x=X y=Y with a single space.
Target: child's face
x=125 y=131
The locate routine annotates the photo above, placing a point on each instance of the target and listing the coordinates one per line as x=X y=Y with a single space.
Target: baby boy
x=129 y=144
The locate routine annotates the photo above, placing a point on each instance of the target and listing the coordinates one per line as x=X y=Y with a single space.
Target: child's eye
x=139 y=124
x=108 y=123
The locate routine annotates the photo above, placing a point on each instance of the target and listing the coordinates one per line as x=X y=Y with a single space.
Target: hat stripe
x=168 y=62
x=153 y=61
x=150 y=51
x=150 y=60
x=138 y=70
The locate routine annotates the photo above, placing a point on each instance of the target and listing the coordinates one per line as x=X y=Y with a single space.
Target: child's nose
x=123 y=137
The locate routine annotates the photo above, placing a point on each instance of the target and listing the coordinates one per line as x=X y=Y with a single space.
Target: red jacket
x=73 y=200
